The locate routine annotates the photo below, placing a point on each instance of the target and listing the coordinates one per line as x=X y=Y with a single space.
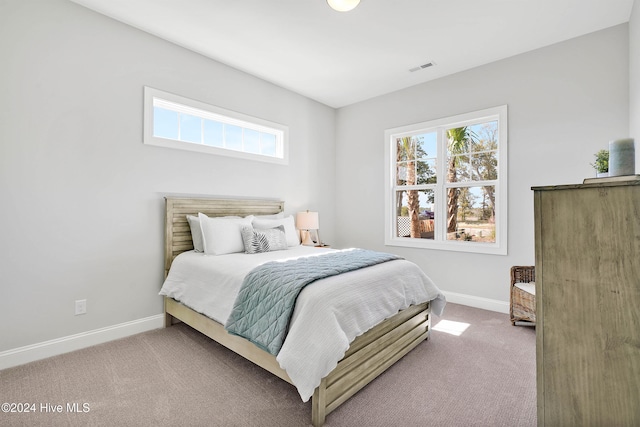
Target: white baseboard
x=477 y=302
x=30 y=353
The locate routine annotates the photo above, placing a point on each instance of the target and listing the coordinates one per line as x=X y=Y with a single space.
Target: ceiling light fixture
x=343 y=5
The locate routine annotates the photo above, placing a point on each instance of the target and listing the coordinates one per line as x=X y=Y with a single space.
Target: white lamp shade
x=343 y=5
x=307 y=221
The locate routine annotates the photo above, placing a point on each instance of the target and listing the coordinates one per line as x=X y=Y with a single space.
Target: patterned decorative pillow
x=292 y=235
x=257 y=241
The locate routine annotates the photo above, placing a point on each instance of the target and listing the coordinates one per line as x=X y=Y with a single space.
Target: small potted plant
x=601 y=165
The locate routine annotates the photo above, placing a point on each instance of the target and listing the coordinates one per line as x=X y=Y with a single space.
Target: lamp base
x=306 y=238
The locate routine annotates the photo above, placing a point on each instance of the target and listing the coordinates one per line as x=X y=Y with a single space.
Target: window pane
x=403 y=152
x=269 y=147
x=165 y=123
x=485 y=165
x=459 y=168
x=251 y=141
x=401 y=173
x=427 y=153
x=213 y=133
x=426 y=170
x=484 y=135
x=457 y=146
x=233 y=137
x=427 y=146
x=414 y=214
x=471 y=214
x=190 y=128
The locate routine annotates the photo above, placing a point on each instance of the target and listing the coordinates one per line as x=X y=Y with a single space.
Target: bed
x=367 y=356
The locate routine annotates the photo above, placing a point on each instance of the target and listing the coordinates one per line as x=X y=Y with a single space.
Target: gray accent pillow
x=267 y=240
x=196 y=233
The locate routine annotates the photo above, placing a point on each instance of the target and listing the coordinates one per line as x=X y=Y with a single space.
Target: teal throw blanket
x=266 y=300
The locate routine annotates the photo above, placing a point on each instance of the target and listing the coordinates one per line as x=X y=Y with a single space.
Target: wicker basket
x=523 y=304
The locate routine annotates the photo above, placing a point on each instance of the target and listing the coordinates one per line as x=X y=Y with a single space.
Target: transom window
x=447 y=183
x=177 y=122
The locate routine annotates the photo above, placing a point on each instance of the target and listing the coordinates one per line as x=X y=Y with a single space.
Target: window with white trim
x=447 y=183
x=177 y=122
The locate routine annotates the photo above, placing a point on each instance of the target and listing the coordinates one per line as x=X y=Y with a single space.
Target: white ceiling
x=339 y=58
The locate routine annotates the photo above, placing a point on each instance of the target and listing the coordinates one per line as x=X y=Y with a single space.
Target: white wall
x=634 y=79
x=82 y=198
x=565 y=102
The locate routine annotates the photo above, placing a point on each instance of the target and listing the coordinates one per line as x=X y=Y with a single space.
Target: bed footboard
x=370 y=355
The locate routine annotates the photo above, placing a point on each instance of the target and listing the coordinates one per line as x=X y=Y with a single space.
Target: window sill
x=455 y=246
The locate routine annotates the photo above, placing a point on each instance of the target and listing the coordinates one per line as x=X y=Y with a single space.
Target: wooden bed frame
x=369 y=354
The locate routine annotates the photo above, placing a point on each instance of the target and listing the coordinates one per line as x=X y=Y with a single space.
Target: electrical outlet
x=81 y=306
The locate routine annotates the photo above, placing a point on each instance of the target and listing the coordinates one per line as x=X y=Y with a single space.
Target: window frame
x=499 y=247
x=217 y=114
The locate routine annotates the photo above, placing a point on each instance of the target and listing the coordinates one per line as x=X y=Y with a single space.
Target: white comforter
x=329 y=314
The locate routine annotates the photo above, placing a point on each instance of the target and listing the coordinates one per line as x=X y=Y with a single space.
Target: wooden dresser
x=588 y=304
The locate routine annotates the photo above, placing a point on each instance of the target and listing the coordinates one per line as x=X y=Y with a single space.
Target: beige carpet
x=178 y=377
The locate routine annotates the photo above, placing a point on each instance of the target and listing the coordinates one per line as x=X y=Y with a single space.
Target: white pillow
x=222 y=235
x=293 y=238
x=196 y=231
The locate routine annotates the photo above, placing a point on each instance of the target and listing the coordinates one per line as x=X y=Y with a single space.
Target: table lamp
x=306 y=221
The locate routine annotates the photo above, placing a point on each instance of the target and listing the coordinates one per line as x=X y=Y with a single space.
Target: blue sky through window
x=165 y=123
x=190 y=128
x=213 y=133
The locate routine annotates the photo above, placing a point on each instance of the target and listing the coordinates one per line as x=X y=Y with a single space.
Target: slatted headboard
x=177 y=231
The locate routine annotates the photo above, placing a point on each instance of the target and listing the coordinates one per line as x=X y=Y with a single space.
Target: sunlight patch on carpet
x=451 y=327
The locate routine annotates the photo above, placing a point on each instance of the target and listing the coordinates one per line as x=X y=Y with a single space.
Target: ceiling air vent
x=421 y=67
